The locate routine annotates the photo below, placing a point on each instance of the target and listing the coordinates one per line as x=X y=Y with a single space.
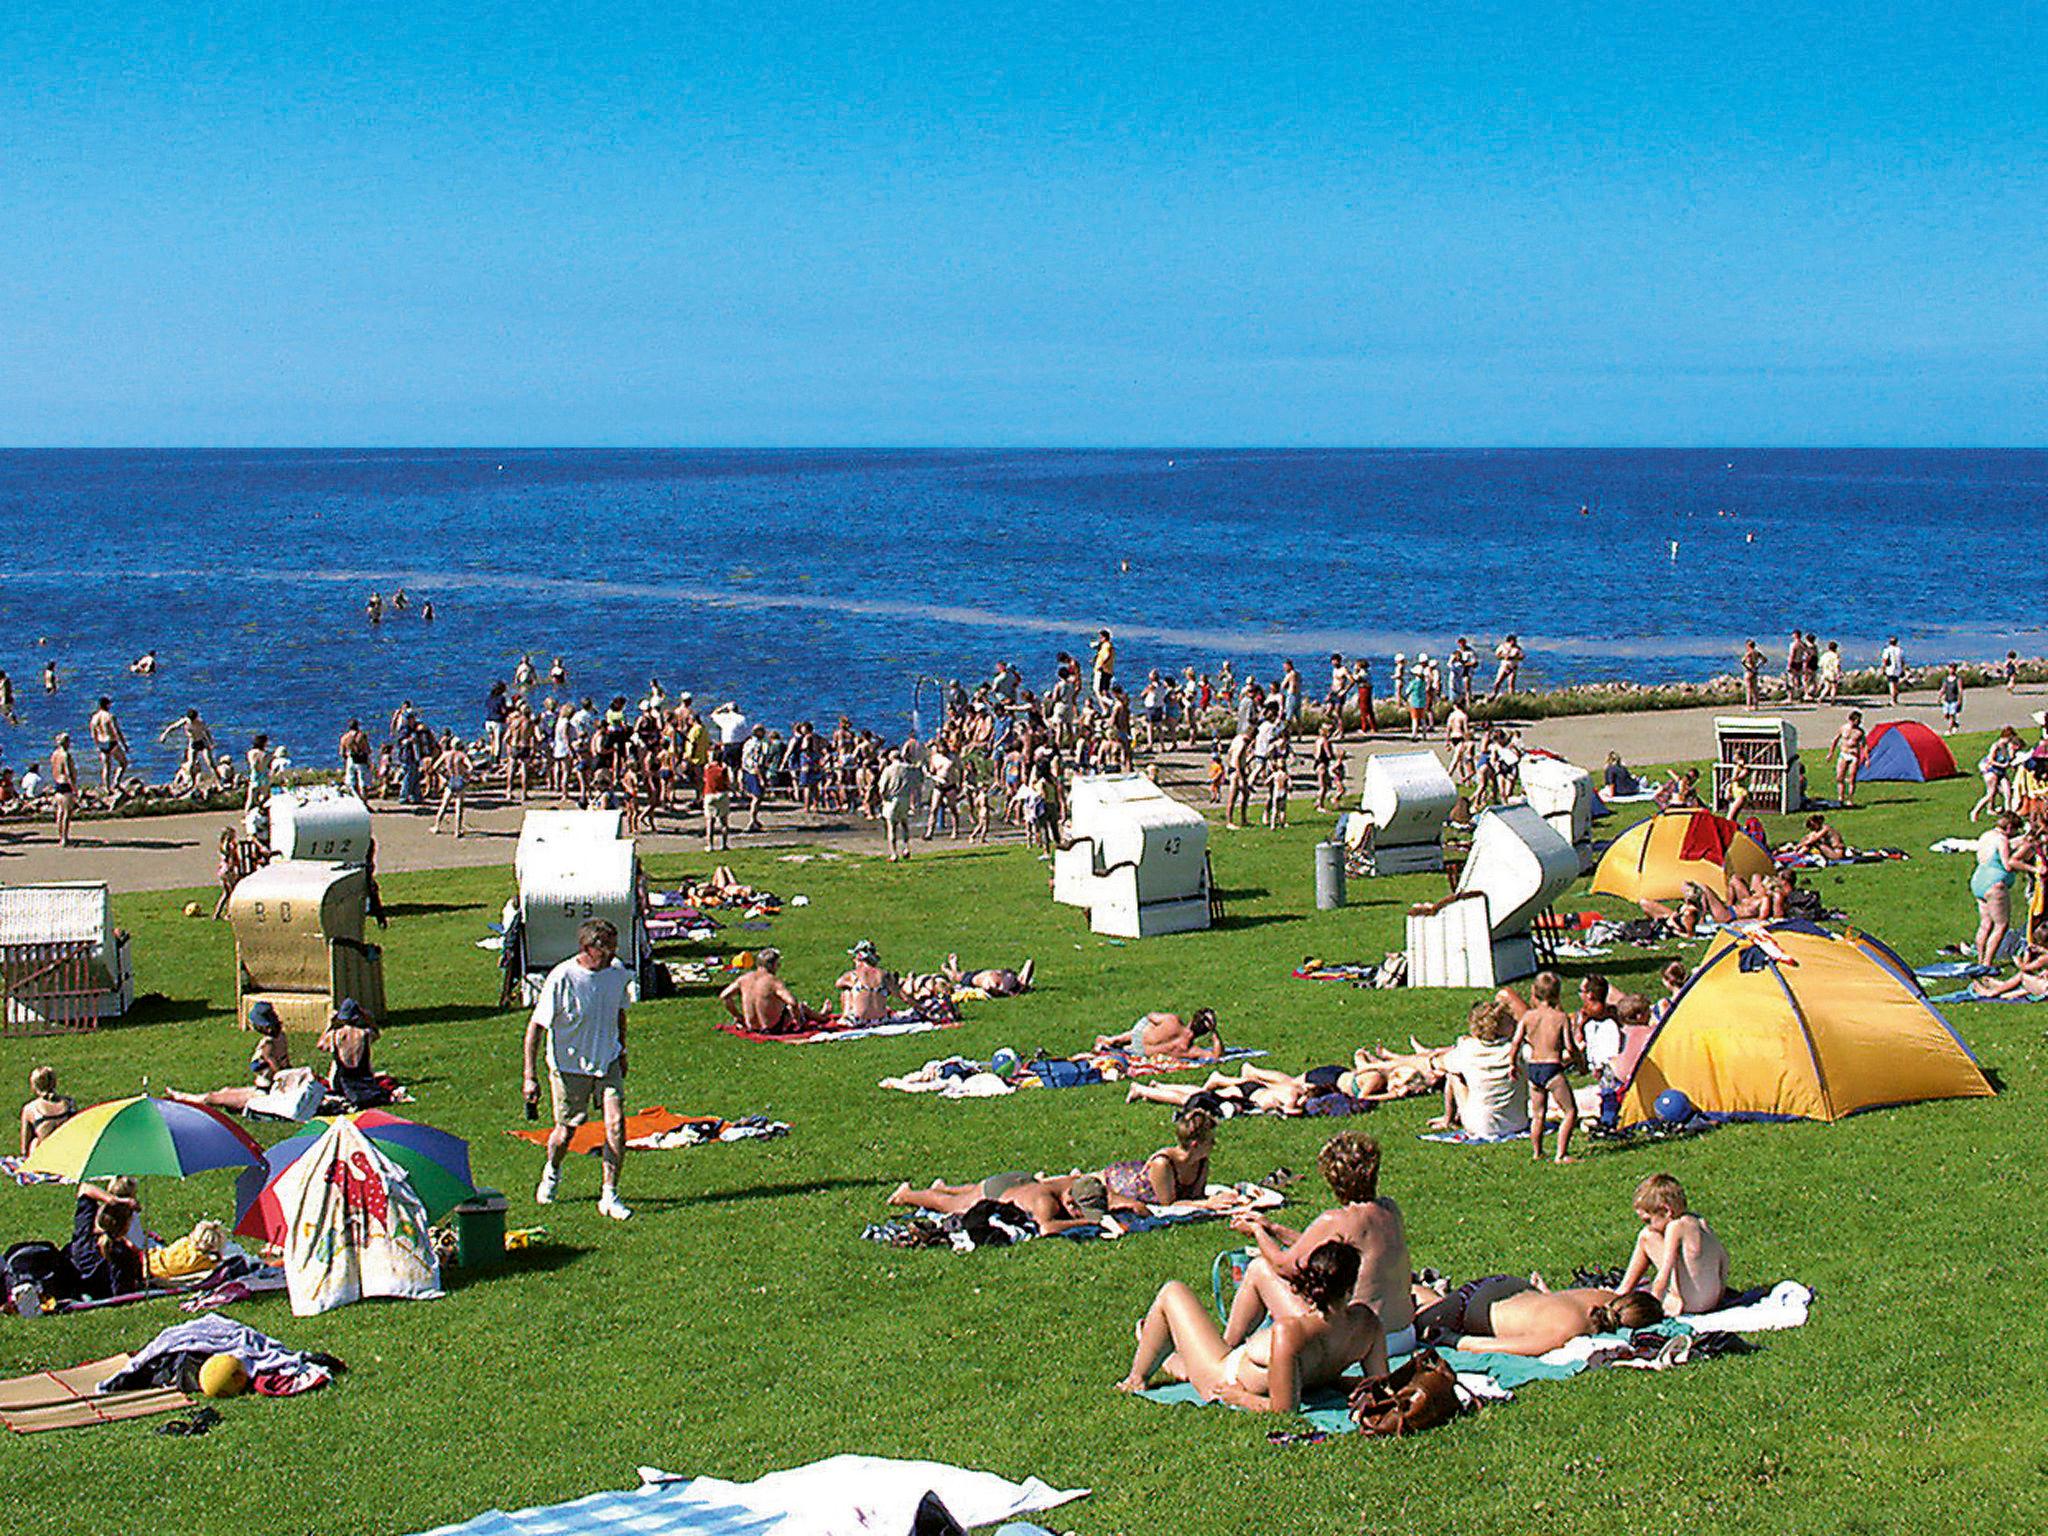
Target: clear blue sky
x=1048 y=223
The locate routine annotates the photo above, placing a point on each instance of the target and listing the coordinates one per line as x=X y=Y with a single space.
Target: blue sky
x=1007 y=224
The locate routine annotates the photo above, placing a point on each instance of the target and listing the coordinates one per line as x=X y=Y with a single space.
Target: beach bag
x=1058 y=1072
x=1421 y=1394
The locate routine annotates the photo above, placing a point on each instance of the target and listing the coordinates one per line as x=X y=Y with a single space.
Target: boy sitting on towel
x=1690 y=1263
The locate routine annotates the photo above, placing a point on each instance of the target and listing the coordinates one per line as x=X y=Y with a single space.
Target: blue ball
x=1004 y=1062
x=1673 y=1107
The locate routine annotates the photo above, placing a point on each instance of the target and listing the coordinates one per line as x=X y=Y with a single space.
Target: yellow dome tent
x=1657 y=856
x=1789 y=1021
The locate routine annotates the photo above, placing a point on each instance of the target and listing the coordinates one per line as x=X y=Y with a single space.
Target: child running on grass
x=1691 y=1266
x=1550 y=1039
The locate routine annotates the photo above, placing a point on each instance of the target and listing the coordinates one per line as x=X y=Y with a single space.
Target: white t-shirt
x=1494 y=1104
x=580 y=1009
x=1603 y=1042
x=1892 y=660
x=732 y=726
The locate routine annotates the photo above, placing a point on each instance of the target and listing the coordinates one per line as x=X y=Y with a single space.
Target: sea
x=807 y=584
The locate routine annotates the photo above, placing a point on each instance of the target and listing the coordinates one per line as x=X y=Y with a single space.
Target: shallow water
x=810 y=583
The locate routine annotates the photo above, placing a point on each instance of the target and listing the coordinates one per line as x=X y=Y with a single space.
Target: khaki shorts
x=573 y=1092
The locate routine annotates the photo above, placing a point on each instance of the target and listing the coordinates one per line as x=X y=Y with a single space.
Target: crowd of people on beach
x=996 y=758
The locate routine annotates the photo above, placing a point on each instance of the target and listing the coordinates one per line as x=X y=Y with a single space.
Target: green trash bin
x=480 y=1230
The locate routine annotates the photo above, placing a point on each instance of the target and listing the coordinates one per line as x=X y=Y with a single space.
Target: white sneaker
x=609 y=1204
x=549 y=1183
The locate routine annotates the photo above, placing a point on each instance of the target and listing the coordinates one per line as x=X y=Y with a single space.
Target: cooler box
x=480 y=1230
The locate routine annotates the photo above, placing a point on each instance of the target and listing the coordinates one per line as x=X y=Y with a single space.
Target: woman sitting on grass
x=2029 y=981
x=1167 y=1034
x=1503 y=1315
x=1276 y=1368
x=46 y=1111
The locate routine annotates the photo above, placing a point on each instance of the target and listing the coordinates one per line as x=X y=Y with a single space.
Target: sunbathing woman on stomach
x=1273 y=1370
x=1504 y=1315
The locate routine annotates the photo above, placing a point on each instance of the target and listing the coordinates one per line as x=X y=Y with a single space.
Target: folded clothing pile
x=174 y=1358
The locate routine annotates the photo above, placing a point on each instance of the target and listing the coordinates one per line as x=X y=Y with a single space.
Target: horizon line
x=1041 y=447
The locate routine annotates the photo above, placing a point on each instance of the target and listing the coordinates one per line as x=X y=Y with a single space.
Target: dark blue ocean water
x=807 y=583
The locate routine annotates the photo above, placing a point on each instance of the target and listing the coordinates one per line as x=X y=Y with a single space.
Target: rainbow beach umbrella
x=144 y=1137
x=436 y=1164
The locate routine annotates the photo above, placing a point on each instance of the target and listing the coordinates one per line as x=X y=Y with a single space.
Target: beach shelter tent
x=1790 y=1021
x=1658 y=856
x=1906 y=750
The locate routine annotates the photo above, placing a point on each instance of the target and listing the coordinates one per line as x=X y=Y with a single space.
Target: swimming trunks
x=1543 y=1073
x=997 y=1185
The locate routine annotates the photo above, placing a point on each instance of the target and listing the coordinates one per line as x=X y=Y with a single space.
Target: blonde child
x=46 y=1111
x=977 y=803
x=1690 y=1265
x=1548 y=1038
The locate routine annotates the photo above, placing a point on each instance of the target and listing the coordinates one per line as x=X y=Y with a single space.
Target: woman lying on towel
x=1167 y=1034
x=995 y=981
x=1260 y=1090
x=1272 y=1371
x=1503 y=1315
x=1056 y=1204
x=1175 y=1175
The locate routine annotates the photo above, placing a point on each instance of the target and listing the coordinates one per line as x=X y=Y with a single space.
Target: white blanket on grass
x=840 y=1496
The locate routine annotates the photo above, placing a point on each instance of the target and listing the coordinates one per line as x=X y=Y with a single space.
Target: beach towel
x=1785 y=1305
x=1347 y=970
x=1464 y=1138
x=897 y=1024
x=13 y=1168
x=840 y=1496
x=354 y=1227
x=1121 y=1066
x=68 y=1399
x=1968 y=996
x=1706 y=840
x=950 y=1231
x=662 y=1130
x=1953 y=845
x=1942 y=969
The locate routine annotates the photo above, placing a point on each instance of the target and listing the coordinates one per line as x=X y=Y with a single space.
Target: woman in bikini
x=1504 y=1315
x=63 y=786
x=1271 y=1372
x=1167 y=1034
x=866 y=989
x=1260 y=1090
x=46 y=1111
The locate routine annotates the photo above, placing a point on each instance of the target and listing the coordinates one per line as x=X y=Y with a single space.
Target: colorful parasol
x=436 y=1164
x=144 y=1137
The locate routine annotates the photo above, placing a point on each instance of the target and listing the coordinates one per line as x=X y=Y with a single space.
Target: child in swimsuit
x=1549 y=1037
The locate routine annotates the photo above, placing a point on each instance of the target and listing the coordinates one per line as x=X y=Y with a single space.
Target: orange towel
x=657 y=1121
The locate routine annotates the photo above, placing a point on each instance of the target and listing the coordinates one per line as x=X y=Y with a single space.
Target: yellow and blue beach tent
x=1789 y=1021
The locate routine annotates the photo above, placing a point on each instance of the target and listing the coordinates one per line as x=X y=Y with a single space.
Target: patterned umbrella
x=144 y=1136
x=436 y=1164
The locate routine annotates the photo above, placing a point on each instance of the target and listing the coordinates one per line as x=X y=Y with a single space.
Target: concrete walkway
x=172 y=852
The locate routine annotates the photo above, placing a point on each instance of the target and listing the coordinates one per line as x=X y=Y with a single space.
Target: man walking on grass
x=582 y=1010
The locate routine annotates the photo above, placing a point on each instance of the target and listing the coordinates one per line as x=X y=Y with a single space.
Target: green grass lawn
x=739 y=1325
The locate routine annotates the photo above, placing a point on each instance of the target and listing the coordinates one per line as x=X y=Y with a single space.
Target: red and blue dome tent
x=1908 y=751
